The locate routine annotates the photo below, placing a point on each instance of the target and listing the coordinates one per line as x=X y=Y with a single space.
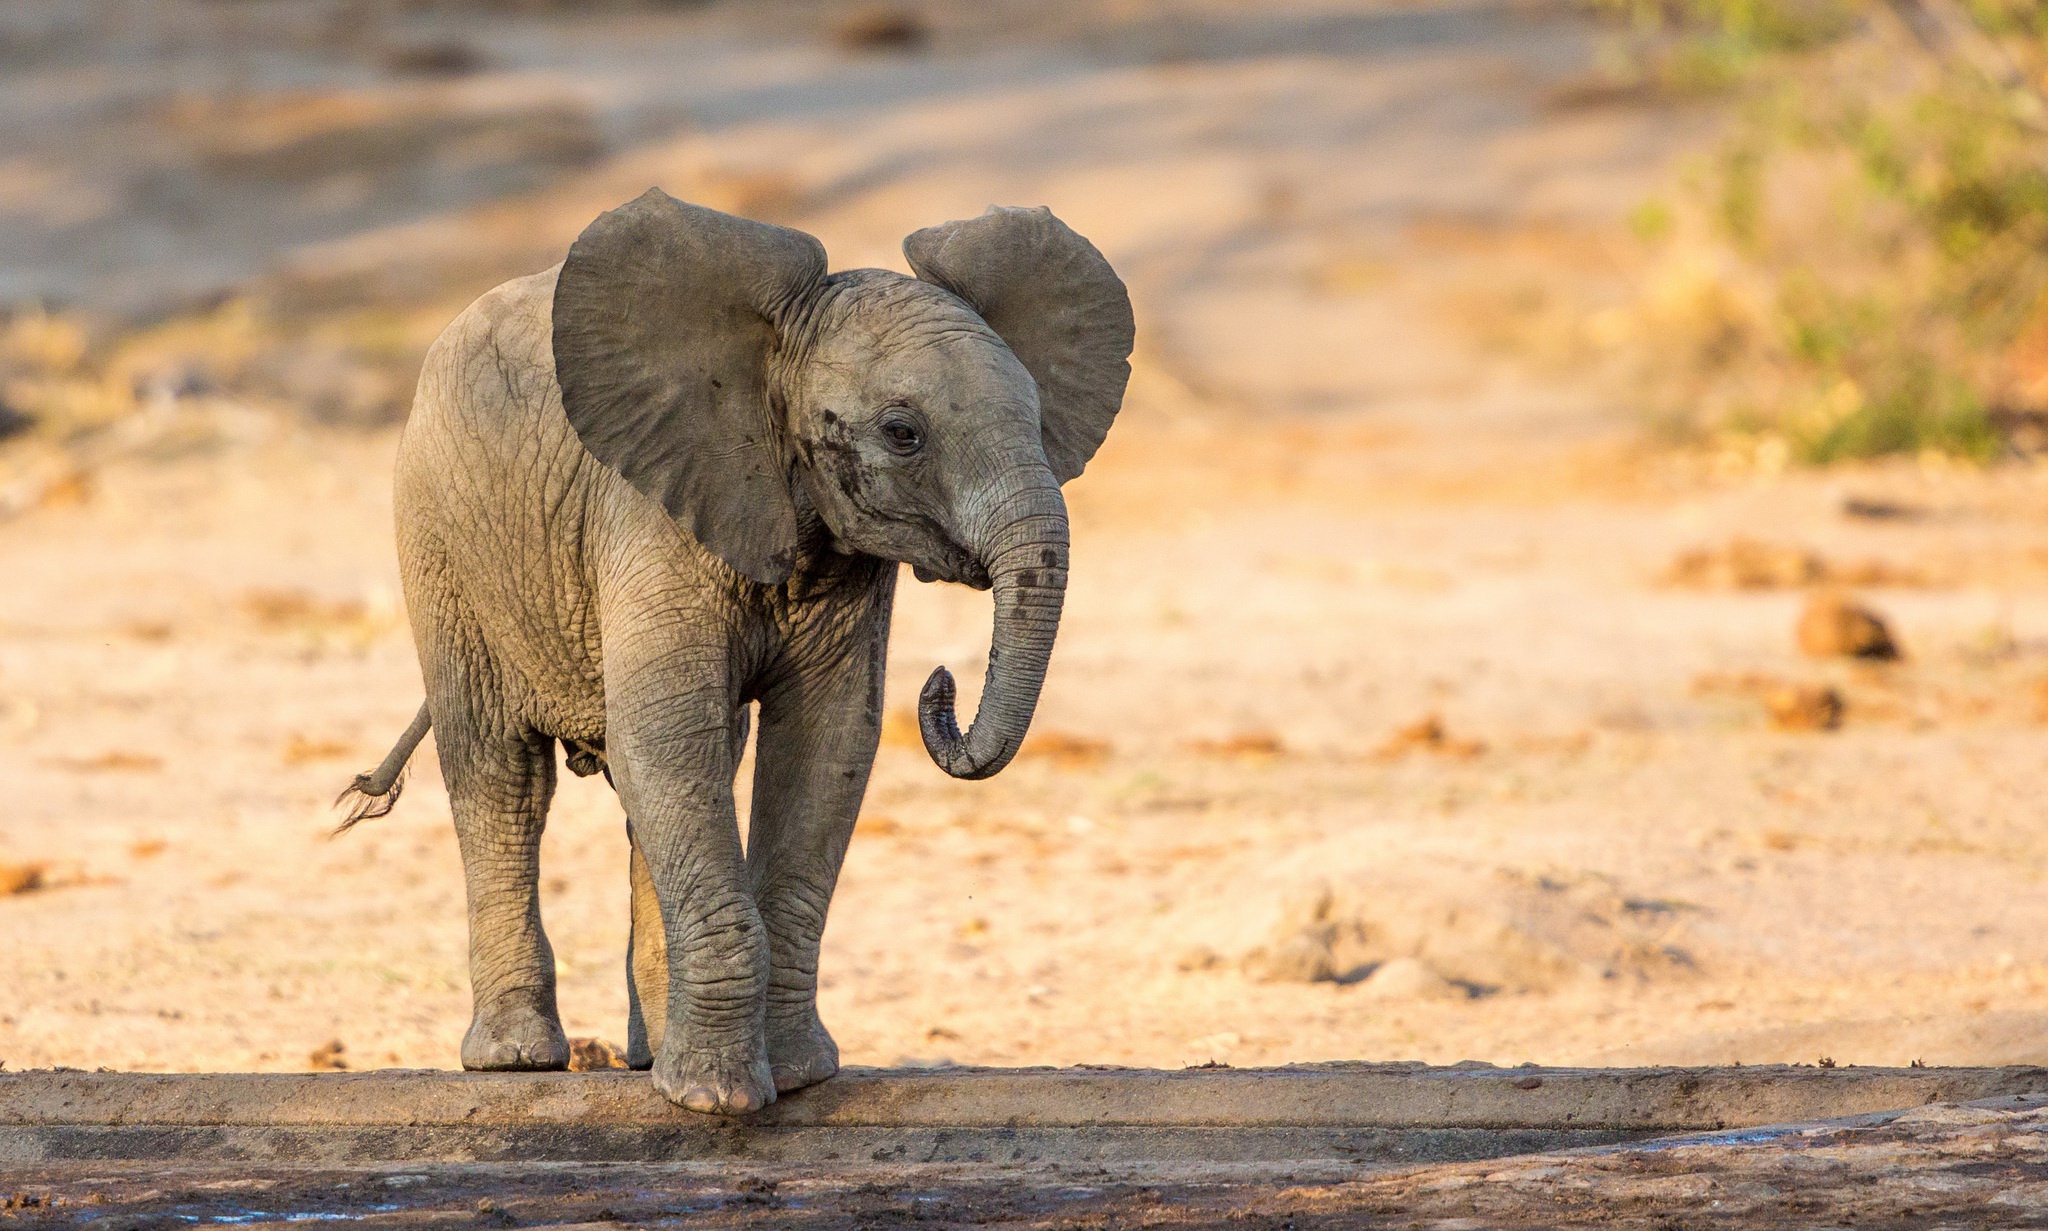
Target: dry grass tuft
x=587 y=1055
x=1744 y=564
x=1245 y=745
x=1751 y=564
x=1428 y=734
x=329 y=1057
x=878 y=826
x=1065 y=749
x=320 y=622
x=113 y=761
x=302 y=751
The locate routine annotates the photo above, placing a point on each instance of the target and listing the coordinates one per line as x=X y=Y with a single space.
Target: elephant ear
x=1058 y=304
x=664 y=317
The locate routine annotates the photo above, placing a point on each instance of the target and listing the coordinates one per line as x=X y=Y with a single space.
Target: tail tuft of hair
x=365 y=802
x=374 y=794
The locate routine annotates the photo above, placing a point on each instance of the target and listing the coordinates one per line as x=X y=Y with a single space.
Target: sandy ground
x=1333 y=509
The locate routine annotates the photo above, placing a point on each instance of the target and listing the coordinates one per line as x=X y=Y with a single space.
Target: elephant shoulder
x=498 y=354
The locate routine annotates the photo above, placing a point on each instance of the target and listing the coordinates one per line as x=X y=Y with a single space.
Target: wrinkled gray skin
x=674 y=476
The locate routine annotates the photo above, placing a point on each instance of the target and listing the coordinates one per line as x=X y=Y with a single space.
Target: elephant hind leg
x=499 y=786
x=646 y=970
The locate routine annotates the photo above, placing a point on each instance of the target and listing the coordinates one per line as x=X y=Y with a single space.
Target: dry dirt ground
x=1942 y=1166
x=1338 y=507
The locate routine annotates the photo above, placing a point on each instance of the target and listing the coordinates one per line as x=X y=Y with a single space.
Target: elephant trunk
x=1027 y=564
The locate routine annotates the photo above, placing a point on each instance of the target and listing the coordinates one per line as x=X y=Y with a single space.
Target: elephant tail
x=374 y=794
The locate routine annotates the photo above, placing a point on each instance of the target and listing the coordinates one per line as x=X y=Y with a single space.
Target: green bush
x=1880 y=231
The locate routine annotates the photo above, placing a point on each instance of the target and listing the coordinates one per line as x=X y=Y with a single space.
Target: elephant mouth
x=955 y=564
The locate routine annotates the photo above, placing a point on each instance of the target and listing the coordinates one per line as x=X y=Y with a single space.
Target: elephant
x=674 y=477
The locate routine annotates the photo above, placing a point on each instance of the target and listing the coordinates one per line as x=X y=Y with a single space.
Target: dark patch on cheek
x=838 y=456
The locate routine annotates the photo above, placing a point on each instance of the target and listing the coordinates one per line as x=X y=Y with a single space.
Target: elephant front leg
x=672 y=761
x=647 y=944
x=818 y=736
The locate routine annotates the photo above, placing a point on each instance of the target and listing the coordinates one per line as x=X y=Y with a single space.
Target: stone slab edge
x=1331 y=1096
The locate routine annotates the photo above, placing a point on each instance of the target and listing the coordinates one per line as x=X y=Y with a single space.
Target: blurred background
x=1569 y=584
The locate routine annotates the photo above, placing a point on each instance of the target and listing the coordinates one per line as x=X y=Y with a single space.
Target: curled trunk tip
x=940 y=726
x=1026 y=558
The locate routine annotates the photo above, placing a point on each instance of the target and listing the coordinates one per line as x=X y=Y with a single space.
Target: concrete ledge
x=1333 y=1112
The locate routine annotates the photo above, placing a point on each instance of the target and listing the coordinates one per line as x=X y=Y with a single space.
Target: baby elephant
x=674 y=475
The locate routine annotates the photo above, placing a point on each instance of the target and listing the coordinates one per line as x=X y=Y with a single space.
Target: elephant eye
x=902 y=434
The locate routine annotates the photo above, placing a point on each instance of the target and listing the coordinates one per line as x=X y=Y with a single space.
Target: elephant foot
x=716 y=1082
x=801 y=1054
x=514 y=1037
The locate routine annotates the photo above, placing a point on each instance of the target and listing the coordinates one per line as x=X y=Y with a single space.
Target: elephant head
x=715 y=364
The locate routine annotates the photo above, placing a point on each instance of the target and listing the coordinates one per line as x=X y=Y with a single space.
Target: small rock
x=1409 y=978
x=13 y=422
x=1303 y=958
x=1199 y=957
x=1878 y=508
x=22 y=878
x=443 y=58
x=1805 y=707
x=1834 y=626
x=882 y=27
